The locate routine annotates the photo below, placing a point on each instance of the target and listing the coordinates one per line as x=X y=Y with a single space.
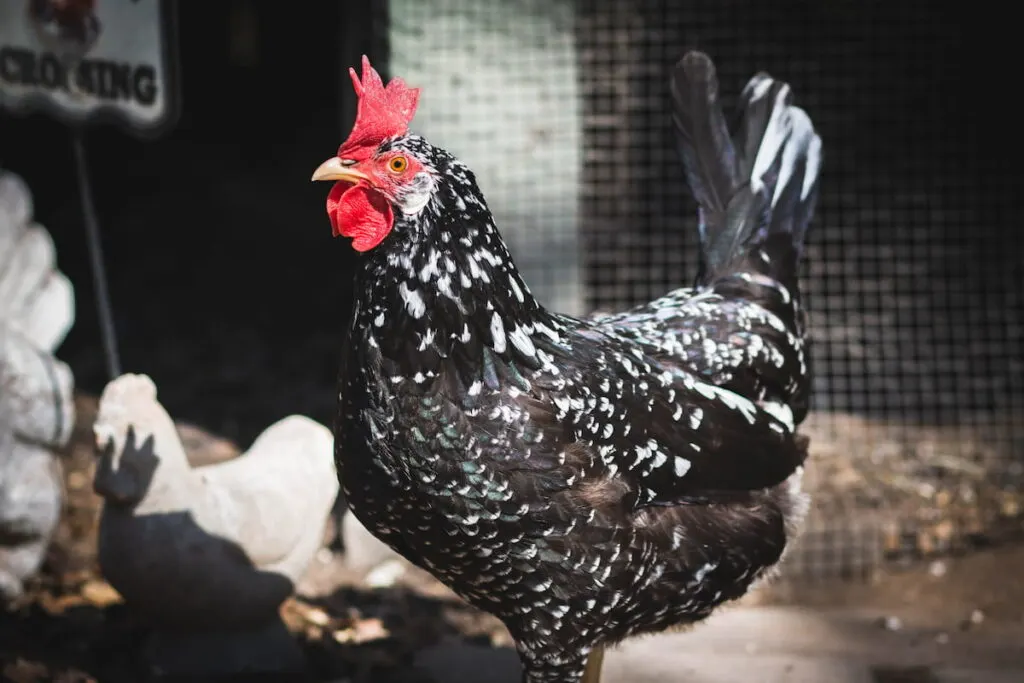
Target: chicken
x=215 y=547
x=69 y=28
x=36 y=299
x=584 y=480
x=36 y=414
x=36 y=389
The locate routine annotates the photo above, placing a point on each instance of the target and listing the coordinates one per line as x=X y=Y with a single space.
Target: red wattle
x=359 y=212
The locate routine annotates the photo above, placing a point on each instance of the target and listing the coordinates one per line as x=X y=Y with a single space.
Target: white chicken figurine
x=37 y=309
x=208 y=554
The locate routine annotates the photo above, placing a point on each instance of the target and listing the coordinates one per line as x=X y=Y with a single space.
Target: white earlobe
x=413 y=204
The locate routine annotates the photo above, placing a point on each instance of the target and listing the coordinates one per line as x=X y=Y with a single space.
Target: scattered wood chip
x=317 y=616
x=362 y=631
x=100 y=593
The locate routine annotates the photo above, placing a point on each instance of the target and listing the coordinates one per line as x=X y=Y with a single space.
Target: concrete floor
x=776 y=645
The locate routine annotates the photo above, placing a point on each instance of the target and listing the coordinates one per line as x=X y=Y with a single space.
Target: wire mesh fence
x=913 y=282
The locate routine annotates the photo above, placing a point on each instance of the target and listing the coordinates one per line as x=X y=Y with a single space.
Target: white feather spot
x=413 y=301
x=680 y=466
x=498 y=333
x=522 y=341
x=781 y=412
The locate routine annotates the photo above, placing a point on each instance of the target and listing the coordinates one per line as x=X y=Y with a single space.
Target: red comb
x=383 y=112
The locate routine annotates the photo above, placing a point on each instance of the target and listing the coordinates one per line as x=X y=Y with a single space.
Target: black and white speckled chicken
x=582 y=479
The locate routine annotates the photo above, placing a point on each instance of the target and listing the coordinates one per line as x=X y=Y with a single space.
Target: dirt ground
x=72 y=626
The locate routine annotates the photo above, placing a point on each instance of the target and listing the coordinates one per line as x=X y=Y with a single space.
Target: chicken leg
x=592 y=674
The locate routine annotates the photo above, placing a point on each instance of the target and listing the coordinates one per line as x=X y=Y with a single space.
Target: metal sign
x=86 y=61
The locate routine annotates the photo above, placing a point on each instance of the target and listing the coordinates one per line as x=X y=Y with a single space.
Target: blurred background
x=228 y=290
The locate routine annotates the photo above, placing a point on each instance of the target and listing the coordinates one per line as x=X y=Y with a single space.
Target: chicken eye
x=398 y=164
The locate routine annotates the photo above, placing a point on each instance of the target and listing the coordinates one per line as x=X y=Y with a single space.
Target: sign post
x=85 y=62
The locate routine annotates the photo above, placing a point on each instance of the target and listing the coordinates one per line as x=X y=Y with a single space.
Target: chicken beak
x=334 y=169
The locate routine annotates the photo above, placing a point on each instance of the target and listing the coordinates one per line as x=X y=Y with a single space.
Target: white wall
x=500 y=92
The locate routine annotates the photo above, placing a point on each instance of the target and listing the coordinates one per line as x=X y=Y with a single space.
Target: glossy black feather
x=702 y=136
x=751 y=186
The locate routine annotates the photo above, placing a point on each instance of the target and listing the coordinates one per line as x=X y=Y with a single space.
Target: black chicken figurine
x=584 y=480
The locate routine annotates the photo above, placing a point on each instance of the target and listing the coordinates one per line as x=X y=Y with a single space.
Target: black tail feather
x=796 y=189
x=702 y=136
x=762 y=97
x=762 y=182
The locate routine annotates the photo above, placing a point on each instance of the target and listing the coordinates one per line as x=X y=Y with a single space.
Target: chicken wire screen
x=914 y=285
